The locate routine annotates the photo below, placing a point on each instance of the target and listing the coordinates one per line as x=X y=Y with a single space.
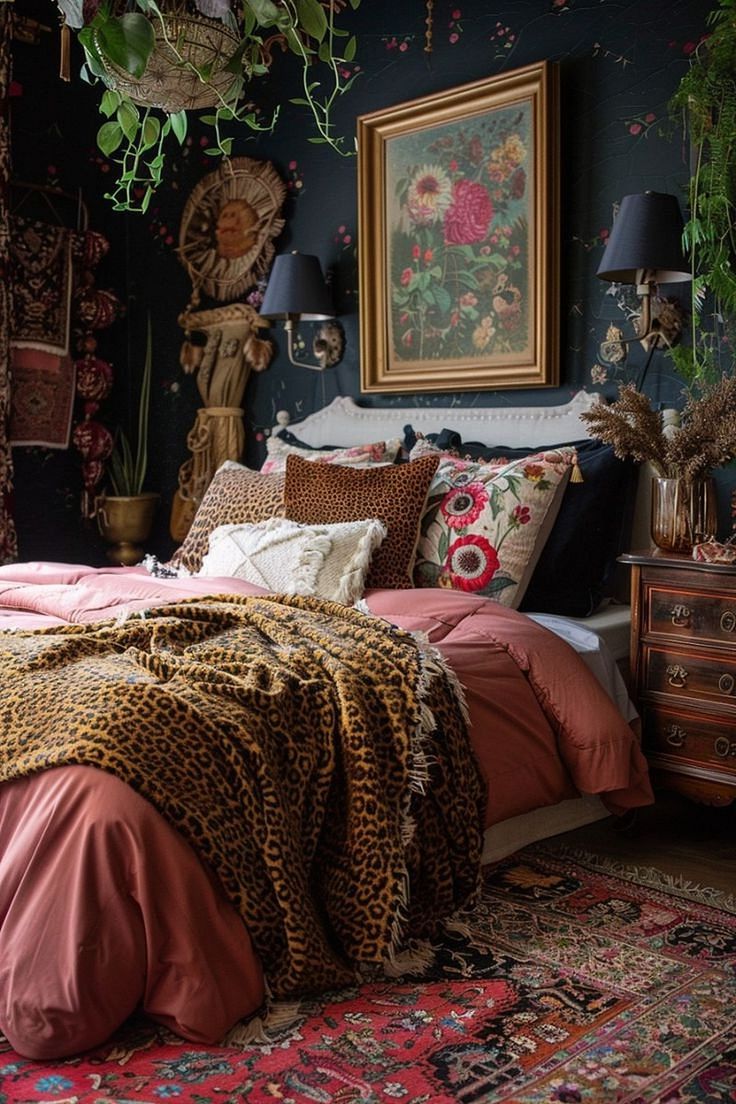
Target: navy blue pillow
x=576 y=568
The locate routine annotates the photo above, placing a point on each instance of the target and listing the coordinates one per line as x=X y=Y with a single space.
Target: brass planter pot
x=684 y=513
x=126 y=522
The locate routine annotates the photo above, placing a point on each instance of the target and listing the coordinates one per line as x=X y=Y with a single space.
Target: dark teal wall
x=619 y=63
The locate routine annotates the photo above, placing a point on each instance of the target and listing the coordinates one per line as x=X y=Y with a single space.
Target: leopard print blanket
x=314 y=756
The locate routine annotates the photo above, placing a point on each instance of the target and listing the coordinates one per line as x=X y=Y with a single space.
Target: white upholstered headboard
x=343 y=422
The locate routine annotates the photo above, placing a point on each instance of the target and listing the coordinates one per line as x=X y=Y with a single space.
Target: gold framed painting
x=458 y=200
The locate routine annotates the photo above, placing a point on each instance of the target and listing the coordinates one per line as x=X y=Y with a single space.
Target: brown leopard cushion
x=321 y=494
x=236 y=496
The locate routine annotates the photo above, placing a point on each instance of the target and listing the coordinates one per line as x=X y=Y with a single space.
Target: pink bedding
x=142 y=922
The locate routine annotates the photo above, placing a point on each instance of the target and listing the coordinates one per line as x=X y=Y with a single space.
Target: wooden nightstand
x=683 y=667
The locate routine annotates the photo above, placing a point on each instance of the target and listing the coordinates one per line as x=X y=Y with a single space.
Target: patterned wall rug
x=572 y=981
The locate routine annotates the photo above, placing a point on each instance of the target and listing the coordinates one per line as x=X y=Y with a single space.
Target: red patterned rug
x=570 y=982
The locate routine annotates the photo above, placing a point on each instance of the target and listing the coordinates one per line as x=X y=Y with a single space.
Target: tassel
x=65 y=54
x=577 y=475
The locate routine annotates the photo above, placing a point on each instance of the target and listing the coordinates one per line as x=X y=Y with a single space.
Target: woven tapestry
x=41 y=272
x=43 y=398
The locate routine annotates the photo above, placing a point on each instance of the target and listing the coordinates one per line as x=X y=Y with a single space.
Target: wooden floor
x=680 y=837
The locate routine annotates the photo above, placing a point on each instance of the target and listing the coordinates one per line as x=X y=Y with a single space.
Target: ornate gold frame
x=485 y=108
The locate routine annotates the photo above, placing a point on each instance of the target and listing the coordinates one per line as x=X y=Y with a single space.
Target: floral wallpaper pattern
x=617 y=73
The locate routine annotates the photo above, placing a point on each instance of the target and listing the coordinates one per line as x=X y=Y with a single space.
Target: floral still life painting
x=464 y=237
x=459 y=245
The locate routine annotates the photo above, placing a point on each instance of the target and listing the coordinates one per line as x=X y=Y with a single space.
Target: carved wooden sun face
x=228 y=226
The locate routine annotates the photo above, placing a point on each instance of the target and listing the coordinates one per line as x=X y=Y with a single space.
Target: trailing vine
x=706 y=100
x=121 y=40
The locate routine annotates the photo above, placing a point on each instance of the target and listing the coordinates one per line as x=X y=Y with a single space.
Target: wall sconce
x=645 y=248
x=297 y=290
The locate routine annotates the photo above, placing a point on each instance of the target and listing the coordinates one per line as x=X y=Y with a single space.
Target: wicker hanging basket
x=167 y=83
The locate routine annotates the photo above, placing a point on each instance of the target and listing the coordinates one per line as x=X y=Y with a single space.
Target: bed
x=152 y=915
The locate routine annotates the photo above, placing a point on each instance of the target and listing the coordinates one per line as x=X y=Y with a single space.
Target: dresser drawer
x=708 y=617
x=680 y=674
x=691 y=738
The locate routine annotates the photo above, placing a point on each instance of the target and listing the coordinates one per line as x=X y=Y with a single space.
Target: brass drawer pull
x=726 y=684
x=728 y=621
x=676 y=675
x=680 y=616
x=676 y=736
x=724 y=747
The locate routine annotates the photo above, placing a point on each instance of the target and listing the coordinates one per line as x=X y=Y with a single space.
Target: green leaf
x=226 y=146
x=265 y=12
x=351 y=48
x=249 y=22
x=151 y=132
x=179 y=122
x=300 y=101
x=109 y=137
x=209 y=120
x=129 y=117
x=211 y=151
x=109 y=103
x=497 y=584
x=317 y=141
x=355 y=4
x=442 y=298
x=86 y=38
x=127 y=42
x=294 y=42
x=141 y=462
x=312 y=18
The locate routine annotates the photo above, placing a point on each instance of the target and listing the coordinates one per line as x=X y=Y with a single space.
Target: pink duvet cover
x=541 y=728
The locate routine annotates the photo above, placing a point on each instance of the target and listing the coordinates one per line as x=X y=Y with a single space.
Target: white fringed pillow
x=328 y=561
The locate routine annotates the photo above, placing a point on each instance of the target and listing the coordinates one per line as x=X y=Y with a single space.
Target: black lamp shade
x=646 y=235
x=297 y=288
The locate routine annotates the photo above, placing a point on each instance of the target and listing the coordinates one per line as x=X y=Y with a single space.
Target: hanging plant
x=158 y=61
x=706 y=100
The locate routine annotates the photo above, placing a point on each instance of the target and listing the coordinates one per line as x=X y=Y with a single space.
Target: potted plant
x=706 y=100
x=682 y=456
x=157 y=60
x=125 y=517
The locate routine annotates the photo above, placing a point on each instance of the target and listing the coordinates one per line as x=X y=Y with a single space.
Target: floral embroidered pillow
x=355 y=456
x=485 y=525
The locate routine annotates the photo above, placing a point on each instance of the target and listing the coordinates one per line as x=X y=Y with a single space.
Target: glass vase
x=684 y=512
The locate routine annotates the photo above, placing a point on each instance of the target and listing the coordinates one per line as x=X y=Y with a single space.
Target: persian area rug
x=571 y=981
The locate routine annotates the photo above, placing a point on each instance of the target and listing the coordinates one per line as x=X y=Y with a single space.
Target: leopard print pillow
x=236 y=496
x=322 y=494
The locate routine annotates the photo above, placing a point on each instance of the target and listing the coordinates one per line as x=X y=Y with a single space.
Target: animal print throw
x=314 y=756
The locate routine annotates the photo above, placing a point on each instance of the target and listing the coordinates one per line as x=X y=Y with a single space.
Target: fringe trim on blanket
x=264 y=1029
x=417 y=958
x=432 y=665
x=648 y=876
